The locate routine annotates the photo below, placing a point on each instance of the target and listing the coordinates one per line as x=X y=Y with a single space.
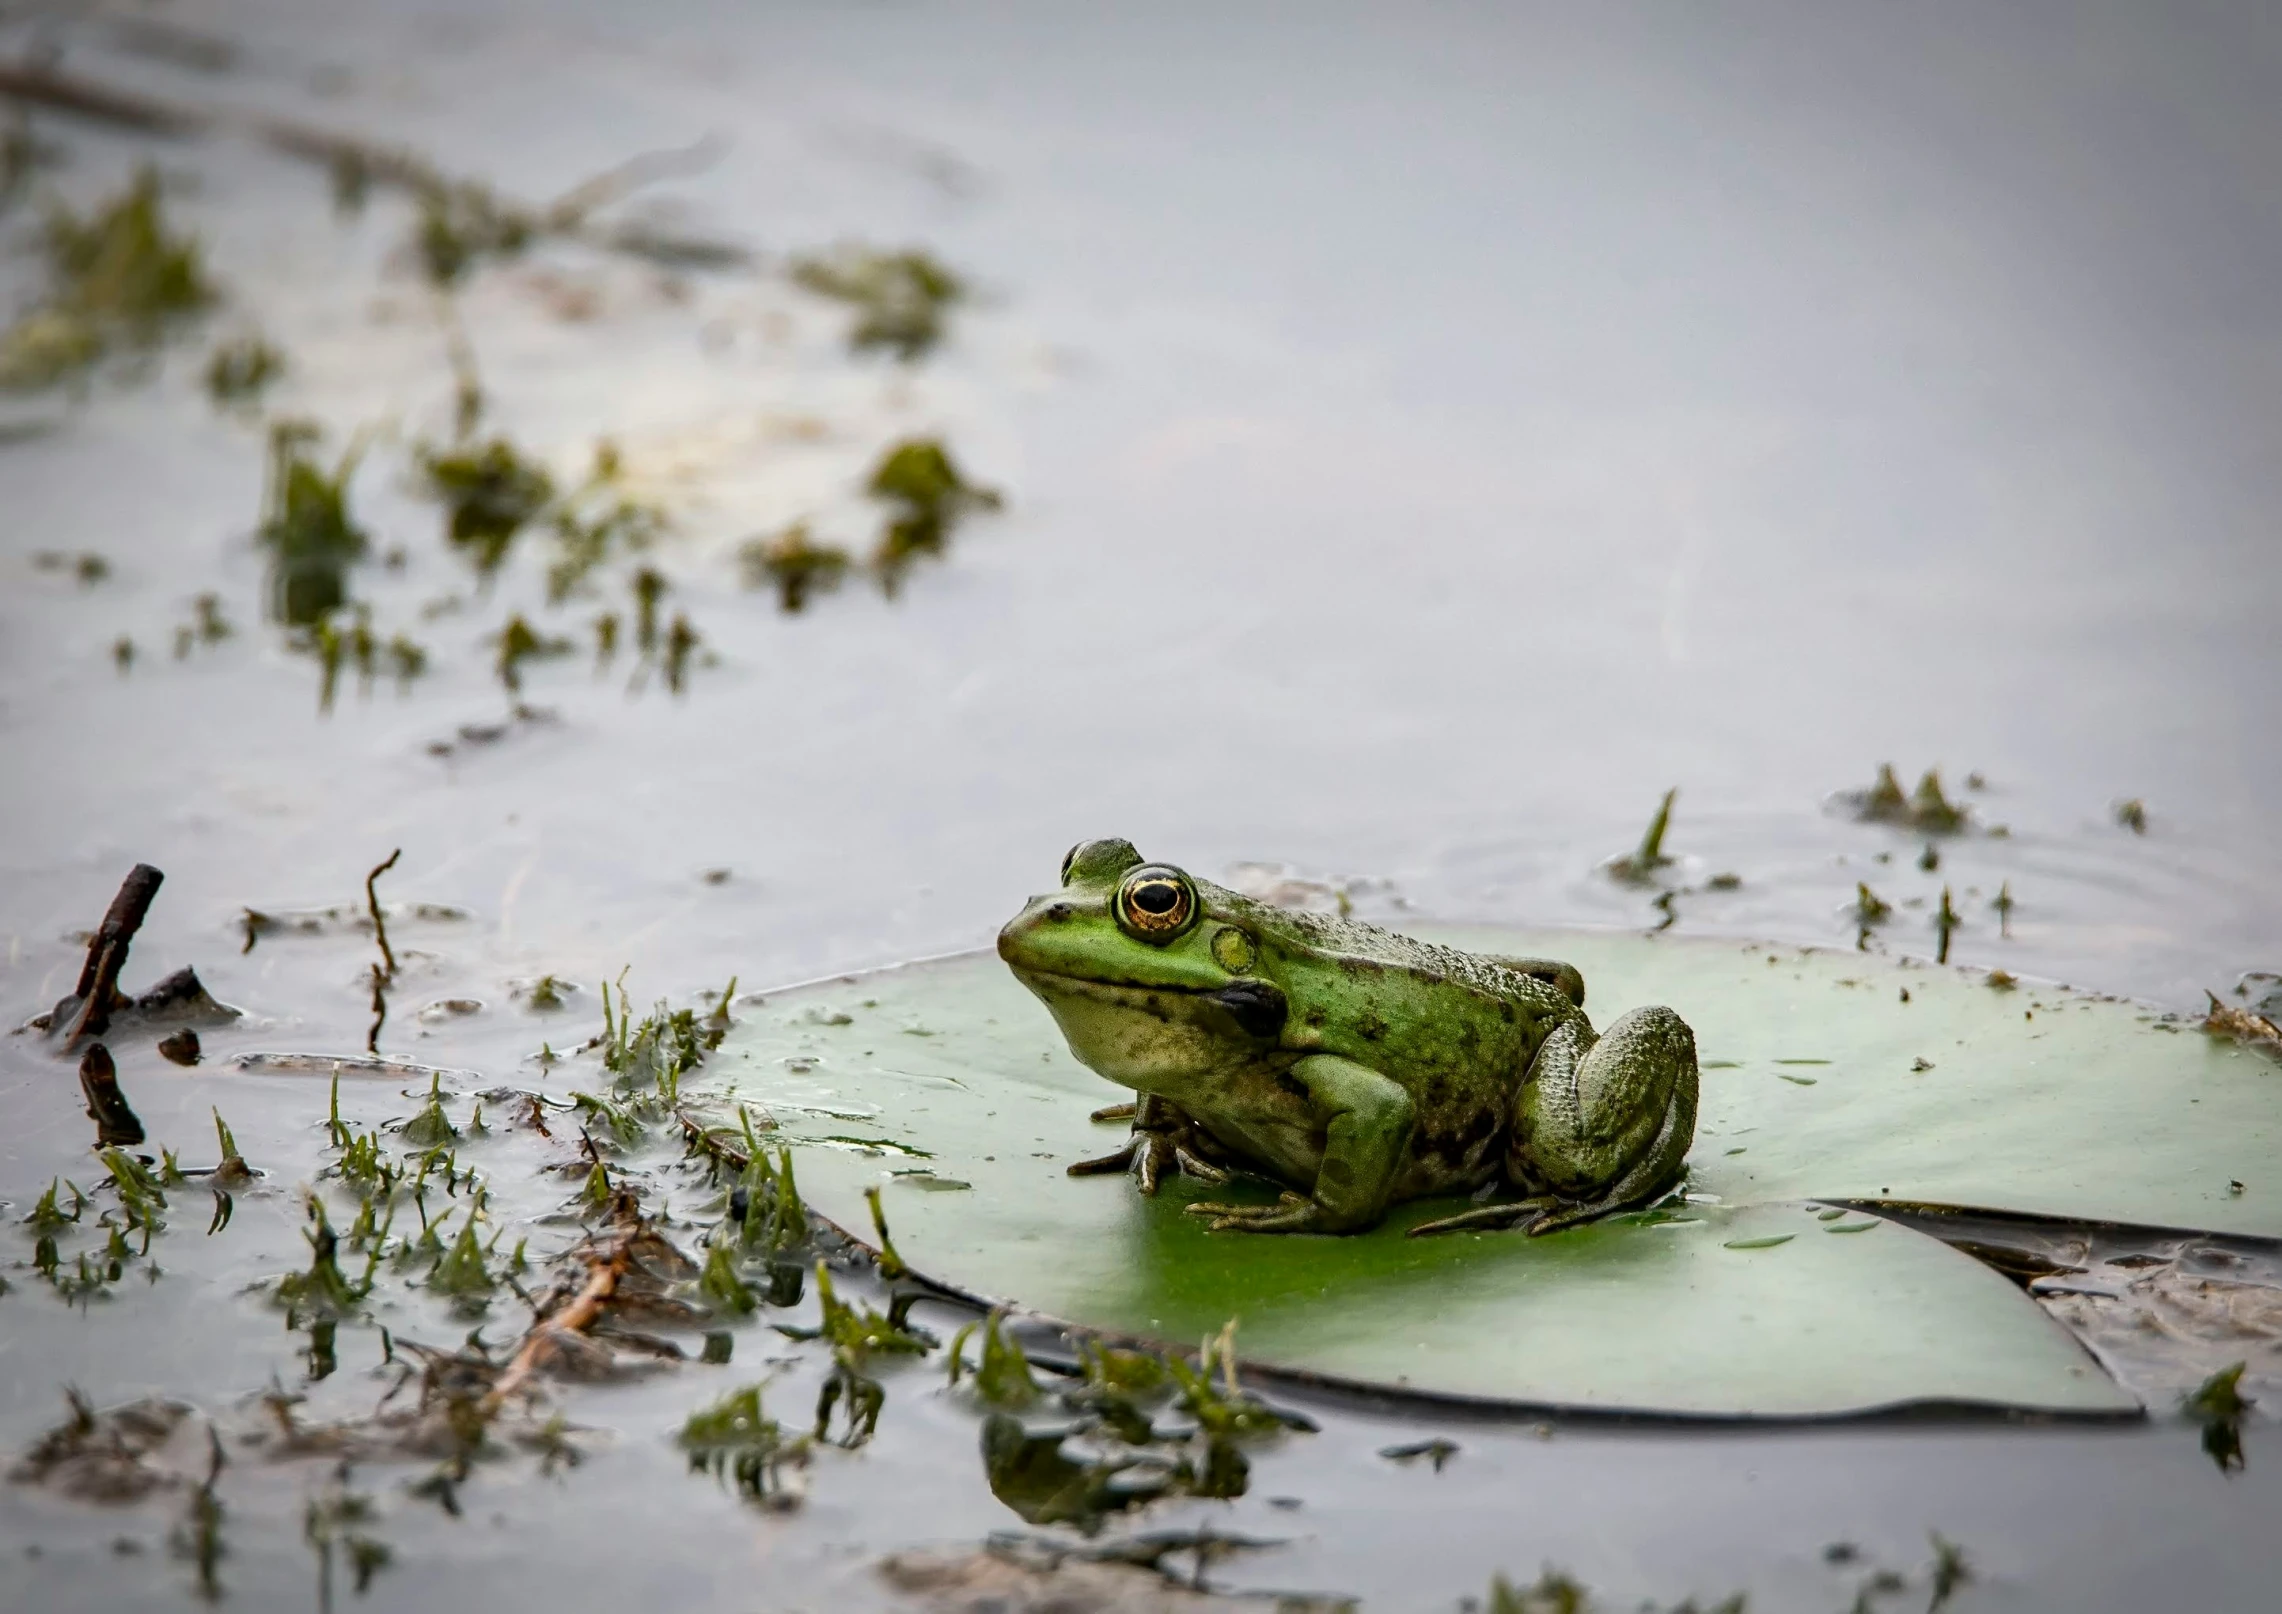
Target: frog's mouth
x=1258 y=1008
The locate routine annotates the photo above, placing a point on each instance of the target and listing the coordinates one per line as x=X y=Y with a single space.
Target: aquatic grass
x=1001 y=1376
x=463 y=1271
x=1225 y=1411
x=324 y=1290
x=431 y=1127
x=722 y=1286
x=1639 y=866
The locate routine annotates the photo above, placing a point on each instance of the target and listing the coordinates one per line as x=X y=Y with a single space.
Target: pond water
x=1424 y=439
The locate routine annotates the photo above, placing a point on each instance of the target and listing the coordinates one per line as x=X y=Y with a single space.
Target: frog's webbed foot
x=1291 y=1213
x=1164 y=1143
x=1492 y=1217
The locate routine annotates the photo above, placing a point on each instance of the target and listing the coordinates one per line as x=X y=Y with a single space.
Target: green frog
x=1355 y=1067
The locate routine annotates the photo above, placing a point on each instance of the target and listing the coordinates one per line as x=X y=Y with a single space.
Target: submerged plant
x=240 y=369
x=306 y=528
x=117 y=279
x=927 y=497
x=336 y=1521
x=491 y=492
x=520 y=642
x=793 y=565
x=462 y=223
x=736 y=1441
x=900 y=298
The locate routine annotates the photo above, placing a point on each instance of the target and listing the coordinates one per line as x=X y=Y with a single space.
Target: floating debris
x=2242 y=1025
x=108 y=1456
x=900 y=298
x=2132 y=815
x=1436 y=1451
x=118 y=280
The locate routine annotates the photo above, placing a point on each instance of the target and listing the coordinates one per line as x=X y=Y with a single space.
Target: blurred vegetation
x=118 y=281
x=900 y=298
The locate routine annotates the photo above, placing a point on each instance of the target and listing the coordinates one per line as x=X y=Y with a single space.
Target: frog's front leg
x=1367 y=1126
x=1605 y=1122
x=1164 y=1142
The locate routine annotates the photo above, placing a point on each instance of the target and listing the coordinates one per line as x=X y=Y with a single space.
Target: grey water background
x=1429 y=434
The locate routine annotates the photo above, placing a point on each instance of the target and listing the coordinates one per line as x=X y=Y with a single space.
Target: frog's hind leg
x=1605 y=1122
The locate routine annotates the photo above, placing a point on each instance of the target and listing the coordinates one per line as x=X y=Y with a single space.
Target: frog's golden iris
x=1155 y=903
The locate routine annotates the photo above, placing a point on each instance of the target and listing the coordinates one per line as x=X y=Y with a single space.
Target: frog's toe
x=1103 y=1165
x=1292 y=1213
x=1566 y=1216
x=1202 y=1170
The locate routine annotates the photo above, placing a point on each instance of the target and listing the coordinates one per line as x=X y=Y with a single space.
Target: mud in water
x=729 y=495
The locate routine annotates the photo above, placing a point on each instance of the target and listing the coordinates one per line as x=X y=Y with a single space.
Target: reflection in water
x=1032 y=1474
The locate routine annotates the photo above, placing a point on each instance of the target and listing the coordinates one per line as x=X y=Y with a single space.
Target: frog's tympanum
x=1354 y=1066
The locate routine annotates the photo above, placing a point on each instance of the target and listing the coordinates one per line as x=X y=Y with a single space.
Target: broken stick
x=87 y=1012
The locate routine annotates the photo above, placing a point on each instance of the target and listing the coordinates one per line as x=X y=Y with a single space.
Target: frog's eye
x=1070 y=857
x=1155 y=903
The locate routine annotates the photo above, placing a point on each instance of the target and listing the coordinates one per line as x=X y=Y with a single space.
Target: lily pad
x=2085 y=1108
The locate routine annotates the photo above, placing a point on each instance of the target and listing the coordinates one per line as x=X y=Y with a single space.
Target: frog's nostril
x=1058 y=911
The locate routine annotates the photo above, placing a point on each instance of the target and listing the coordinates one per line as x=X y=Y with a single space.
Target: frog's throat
x=1258 y=1008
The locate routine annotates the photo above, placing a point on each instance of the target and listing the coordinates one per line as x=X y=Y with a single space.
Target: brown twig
x=372 y=903
x=90 y=1005
x=607 y=1263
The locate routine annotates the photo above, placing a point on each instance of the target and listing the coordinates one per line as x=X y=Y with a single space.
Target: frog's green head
x=1150 y=972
